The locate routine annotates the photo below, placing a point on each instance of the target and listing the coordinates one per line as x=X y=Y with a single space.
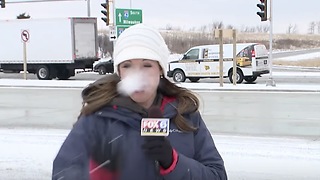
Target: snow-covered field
x=301 y=57
x=27 y=154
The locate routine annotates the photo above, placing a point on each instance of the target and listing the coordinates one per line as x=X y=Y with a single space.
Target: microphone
x=154 y=112
x=155 y=125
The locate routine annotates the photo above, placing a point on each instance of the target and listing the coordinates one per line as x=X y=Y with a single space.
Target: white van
x=203 y=62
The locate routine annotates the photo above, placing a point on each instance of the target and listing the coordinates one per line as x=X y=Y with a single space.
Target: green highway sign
x=128 y=17
x=120 y=29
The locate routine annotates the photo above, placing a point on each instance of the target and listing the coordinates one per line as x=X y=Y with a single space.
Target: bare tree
x=245 y=29
x=265 y=28
x=292 y=29
x=259 y=29
x=169 y=27
x=289 y=29
x=104 y=44
x=192 y=29
x=230 y=27
x=203 y=28
x=262 y=28
x=242 y=29
x=312 y=27
x=318 y=24
x=216 y=25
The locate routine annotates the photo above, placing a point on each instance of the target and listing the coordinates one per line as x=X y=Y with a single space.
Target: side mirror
x=185 y=56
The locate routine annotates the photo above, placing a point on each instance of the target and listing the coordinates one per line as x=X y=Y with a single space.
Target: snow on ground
x=301 y=57
x=27 y=154
x=193 y=86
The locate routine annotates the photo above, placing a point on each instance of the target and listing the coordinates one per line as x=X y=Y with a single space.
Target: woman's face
x=150 y=72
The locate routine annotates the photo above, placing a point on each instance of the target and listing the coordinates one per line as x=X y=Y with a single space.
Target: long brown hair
x=101 y=92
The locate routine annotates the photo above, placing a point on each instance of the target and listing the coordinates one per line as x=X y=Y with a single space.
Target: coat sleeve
x=206 y=164
x=72 y=160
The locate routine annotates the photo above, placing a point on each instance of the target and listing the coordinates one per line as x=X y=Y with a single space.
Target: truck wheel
x=250 y=79
x=178 y=76
x=194 y=79
x=43 y=72
x=239 y=76
x=102 y=70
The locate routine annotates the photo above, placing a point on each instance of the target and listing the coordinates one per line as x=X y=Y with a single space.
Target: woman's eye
x=126 y=66
x=147 y=65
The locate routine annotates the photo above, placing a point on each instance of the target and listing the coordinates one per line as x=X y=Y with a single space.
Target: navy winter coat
x=111 y=138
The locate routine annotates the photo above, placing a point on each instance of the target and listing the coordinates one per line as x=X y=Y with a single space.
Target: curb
x=194 y=89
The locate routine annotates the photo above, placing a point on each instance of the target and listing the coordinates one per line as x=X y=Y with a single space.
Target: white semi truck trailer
x=54 y=47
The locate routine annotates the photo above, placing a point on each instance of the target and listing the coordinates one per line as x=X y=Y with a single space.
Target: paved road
x=253 y=113
x=42 y=108
x=261 y=80
x=261 y=113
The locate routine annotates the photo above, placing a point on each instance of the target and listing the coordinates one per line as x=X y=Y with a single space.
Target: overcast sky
x=182 y=13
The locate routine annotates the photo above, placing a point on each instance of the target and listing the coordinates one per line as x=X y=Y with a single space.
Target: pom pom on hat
x=141 y=42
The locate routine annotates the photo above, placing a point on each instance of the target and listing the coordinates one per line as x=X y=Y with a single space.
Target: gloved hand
x=159 y=148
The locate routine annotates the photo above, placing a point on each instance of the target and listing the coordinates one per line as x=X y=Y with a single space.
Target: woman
x=106 y=142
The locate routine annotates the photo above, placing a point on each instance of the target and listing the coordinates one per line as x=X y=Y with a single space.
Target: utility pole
x=263 y=13
x=270 y=81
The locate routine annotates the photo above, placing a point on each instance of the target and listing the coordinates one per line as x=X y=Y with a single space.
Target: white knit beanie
x=141 y=42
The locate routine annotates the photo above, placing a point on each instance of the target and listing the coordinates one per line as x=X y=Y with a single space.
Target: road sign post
x=226 y=33
x=113 y=33
x=25 y=36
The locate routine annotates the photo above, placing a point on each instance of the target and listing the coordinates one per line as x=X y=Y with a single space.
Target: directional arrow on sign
x=112 y=38
x=128 y=17
x=113 y=34
x=119 y=17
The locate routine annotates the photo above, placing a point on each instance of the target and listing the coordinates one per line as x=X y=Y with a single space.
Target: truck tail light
x=253 y=53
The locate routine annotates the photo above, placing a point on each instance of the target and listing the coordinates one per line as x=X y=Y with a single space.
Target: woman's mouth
x=139 y=91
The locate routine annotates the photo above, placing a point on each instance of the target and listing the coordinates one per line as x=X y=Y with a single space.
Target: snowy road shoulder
x=28 y=154
x=18 y=83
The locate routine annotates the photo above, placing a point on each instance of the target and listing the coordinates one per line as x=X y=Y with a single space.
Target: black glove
x=158 y=148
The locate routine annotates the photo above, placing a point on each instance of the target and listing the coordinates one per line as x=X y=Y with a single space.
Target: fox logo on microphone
x=155 y=127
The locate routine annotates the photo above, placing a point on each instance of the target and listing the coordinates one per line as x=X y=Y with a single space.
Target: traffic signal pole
x=263 y=14
x=270 y=81
x=2 y=3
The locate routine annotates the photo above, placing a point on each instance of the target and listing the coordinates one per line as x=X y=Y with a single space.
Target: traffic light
x=2 y=3
x=263 y=10
x=105 y=12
